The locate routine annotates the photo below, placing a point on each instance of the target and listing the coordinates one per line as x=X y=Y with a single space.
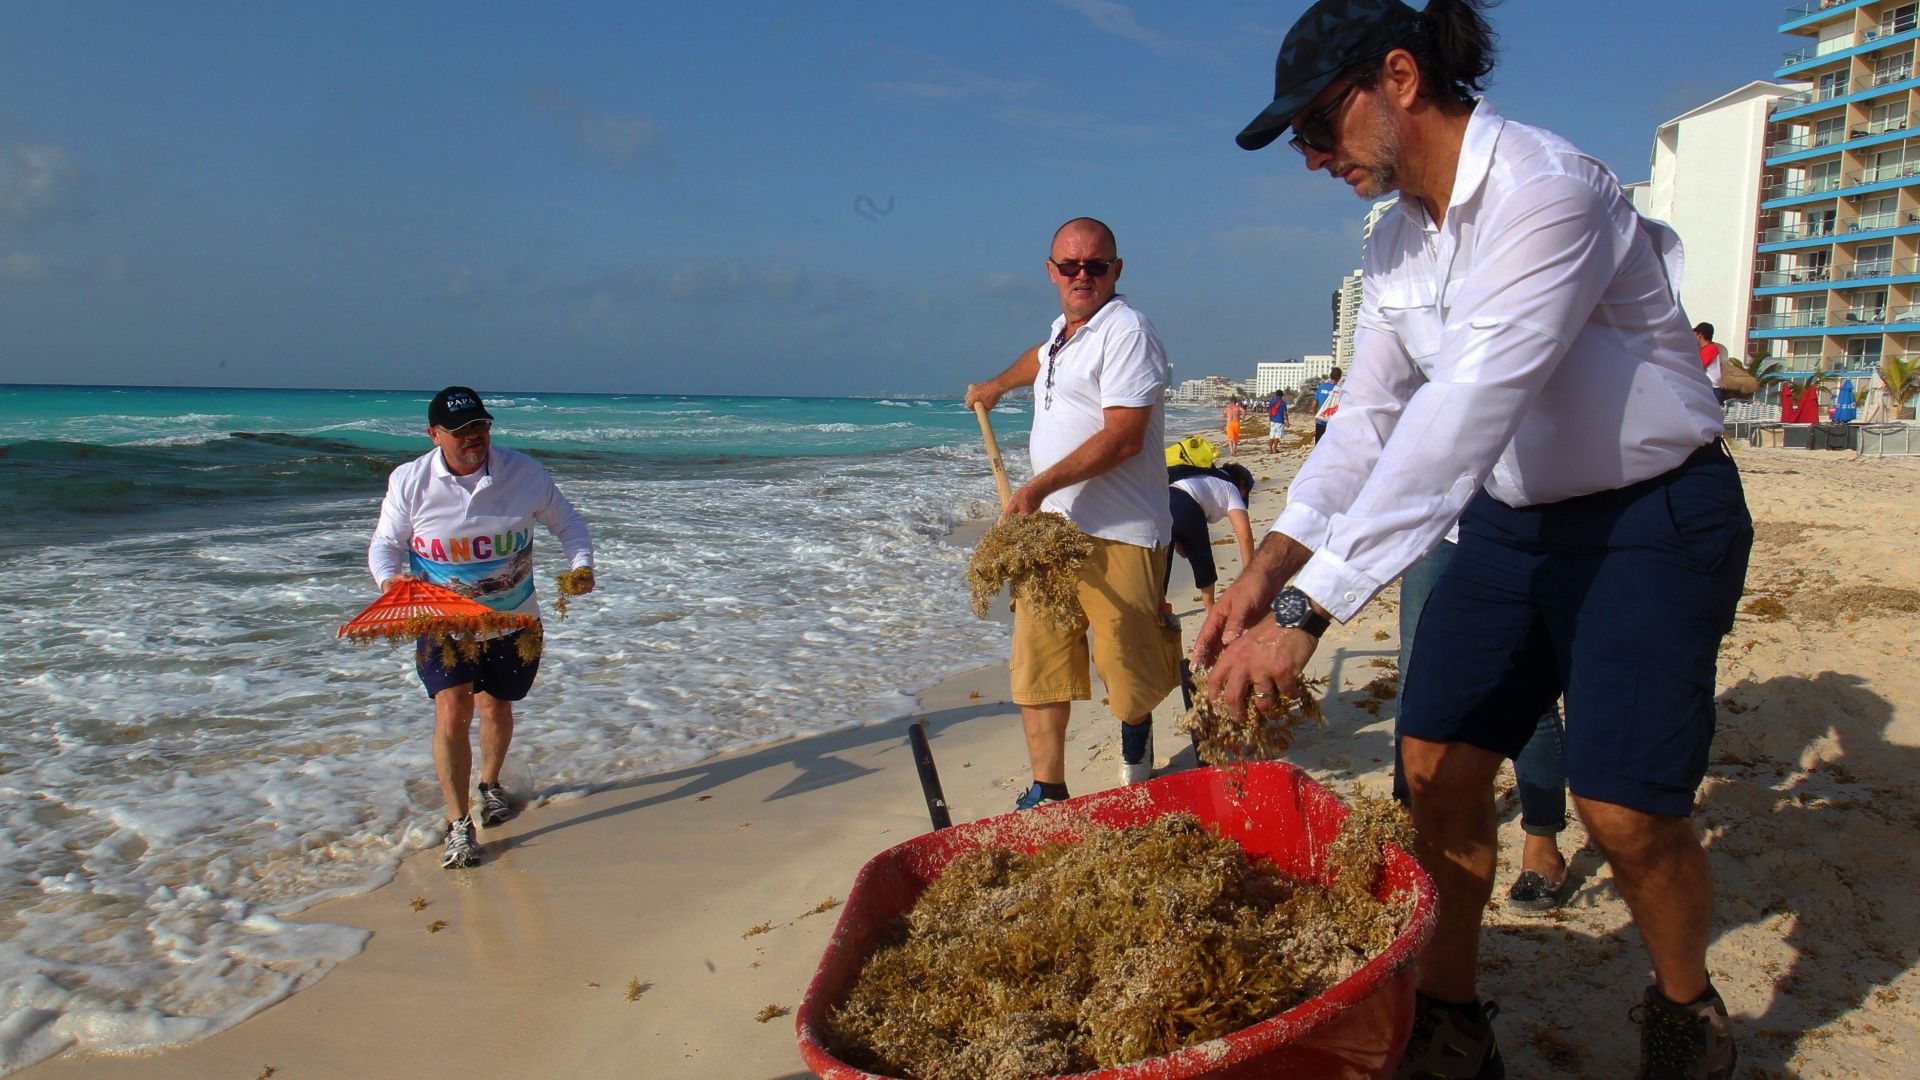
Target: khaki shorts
x=1138 y=656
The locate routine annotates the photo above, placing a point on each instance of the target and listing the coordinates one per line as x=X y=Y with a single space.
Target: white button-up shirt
x=1533 y=343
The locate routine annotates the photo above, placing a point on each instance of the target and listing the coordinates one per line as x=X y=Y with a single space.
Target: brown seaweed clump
x=571 y=583
x=457 y=645
x=1224 y=739
x=1128 y=944
x=1041 y=555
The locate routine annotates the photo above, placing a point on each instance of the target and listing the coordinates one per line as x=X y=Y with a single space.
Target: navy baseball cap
x=1331 y=37
x=455 y=408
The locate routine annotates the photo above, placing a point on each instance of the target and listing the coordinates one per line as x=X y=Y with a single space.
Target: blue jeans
x=1543 y=790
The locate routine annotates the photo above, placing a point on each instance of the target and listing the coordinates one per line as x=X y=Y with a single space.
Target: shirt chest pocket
x=1415 y=318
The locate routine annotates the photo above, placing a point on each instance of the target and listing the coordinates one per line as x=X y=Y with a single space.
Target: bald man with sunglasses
x=1098 y=384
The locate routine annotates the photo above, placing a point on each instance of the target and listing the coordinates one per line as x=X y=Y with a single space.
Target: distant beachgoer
x=1097 y=458
x=1233 y=412
x=1326 y=402
x=1711 y=353
x=1198 y=497
x=1276 y=420
x=462 y=516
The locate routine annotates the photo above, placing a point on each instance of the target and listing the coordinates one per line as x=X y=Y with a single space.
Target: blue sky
x=710 y=198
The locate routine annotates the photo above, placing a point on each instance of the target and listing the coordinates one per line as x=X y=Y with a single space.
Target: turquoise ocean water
x=187 y=754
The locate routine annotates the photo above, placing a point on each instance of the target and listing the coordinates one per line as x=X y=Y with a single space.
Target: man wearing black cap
x=462 y=517
x=1521 y=366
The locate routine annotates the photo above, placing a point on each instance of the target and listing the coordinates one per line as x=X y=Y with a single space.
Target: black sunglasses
x=1095 y=268
x=1315 y=131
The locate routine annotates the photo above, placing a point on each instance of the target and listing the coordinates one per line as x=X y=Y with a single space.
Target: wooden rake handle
x=993 y=457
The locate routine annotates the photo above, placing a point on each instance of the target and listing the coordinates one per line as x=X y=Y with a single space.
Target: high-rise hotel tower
x=1837 y=273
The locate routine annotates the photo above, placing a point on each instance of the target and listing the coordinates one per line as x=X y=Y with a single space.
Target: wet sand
x=1810 y=810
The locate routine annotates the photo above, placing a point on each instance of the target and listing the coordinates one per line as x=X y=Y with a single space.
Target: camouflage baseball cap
x=1331 y=37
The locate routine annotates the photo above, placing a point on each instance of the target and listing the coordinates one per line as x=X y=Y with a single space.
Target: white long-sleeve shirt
x=1534 y=344
x=474 y=534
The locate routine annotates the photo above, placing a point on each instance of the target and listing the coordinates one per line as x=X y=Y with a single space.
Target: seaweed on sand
x=1225 y=739
x=1125 y=945
x=1040 y=555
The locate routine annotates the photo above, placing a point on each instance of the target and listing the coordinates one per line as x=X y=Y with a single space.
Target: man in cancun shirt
x=462 y=517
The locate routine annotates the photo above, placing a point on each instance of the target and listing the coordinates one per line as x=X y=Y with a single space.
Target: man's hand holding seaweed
x=1249 y=656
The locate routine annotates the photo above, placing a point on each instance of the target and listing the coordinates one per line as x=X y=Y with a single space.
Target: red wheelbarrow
x=1358 y=1029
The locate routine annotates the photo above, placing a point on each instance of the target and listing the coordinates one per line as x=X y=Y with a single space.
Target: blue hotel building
x=1837 y=277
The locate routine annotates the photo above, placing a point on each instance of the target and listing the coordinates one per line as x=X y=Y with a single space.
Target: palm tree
x=1901 y=375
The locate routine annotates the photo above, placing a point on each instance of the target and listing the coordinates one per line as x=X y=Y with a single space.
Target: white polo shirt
x=1116 y=360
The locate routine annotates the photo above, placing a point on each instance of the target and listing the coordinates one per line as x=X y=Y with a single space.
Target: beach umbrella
x=1844 y=409
x=1808 y=411
x=1788 y=409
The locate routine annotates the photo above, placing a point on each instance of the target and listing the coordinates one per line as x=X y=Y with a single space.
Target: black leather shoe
x=1533 y=894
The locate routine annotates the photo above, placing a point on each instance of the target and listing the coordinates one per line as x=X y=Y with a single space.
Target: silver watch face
x=1291 y=607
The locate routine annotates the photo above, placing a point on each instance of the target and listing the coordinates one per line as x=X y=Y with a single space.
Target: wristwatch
x=1293 y=608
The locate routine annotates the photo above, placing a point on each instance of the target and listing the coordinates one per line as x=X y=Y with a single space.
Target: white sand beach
x=643 y=929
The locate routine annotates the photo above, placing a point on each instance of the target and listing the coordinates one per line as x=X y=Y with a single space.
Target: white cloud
x=22 y=266
x=1015 y=102
x=27 y=267
x=706 y=282
x=40 y=182
x=612 y=138
x=1119 y=20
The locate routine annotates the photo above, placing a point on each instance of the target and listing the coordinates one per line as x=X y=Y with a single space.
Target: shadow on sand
x=817 y=758
x=1808 y=816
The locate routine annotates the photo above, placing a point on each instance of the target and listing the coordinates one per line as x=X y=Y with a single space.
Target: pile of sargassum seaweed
x=1125 y=945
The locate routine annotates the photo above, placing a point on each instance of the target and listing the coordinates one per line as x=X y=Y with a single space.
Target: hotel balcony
x=1793 y=189
x=1832 y=364
x=1804 y=142
x=1870 y=269
x=1843 y=92
x=1805 y=230
x=1788 y=320
x=1890 y=30
x=1799 y=275
x=1809 y=8
x=1878 y=127
x=1883 y=174
x=1809 y=97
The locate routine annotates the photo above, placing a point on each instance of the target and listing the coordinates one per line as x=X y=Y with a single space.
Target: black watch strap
x=1316 y=623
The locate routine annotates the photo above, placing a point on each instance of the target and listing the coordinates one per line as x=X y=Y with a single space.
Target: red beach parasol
x=413 y=608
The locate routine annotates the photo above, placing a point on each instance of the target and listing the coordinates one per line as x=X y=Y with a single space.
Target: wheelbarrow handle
x=929 y=776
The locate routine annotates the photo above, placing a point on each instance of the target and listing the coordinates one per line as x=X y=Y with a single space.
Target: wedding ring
x=1261 y=694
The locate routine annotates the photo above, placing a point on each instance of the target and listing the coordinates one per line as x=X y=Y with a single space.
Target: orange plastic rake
x=413 y=608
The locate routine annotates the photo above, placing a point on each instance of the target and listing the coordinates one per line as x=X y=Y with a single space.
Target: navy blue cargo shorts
x=498 y=671
x=1618 y=600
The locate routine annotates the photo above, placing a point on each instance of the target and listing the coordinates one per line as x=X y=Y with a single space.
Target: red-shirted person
x=1711 y=353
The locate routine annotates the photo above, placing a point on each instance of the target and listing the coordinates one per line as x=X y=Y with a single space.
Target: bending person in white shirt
x=1522 y=365
x=1199 y=497
x=462 y=517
